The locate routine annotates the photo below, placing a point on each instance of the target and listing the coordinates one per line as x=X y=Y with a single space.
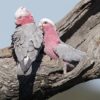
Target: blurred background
x=84 y=91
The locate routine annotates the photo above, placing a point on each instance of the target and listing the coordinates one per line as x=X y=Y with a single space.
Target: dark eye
x=45 y=22
x=19 y=17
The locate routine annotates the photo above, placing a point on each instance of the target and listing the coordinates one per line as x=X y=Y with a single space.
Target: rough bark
x=81 y=29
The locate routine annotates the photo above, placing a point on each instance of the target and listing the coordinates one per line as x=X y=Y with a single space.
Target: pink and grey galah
x=55 y=48
x=26 y=40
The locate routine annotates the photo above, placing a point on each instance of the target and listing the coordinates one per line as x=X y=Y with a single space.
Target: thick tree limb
x=81 y=29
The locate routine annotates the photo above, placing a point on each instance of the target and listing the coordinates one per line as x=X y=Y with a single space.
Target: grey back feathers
x=68 y=53
x=27 y=41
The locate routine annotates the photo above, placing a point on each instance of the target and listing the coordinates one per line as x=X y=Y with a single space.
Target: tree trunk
x=81 y=29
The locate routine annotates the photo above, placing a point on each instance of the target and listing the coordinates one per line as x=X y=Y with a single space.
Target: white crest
x=43 y=20
x=22 y=11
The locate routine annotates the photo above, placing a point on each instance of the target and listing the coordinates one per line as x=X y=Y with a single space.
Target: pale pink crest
x=23 y=16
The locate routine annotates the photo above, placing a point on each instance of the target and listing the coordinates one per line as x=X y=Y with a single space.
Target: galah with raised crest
x=55 y=48
x=26 y=40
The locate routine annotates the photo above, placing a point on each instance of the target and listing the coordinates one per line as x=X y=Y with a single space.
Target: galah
x=55 y=48
x=26 y=40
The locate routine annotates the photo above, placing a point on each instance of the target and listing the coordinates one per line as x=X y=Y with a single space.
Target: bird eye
x=19 y=17
x=45 y=22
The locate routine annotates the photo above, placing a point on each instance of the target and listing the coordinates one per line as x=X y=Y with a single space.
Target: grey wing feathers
x=27 y=42
x=68 y=53
x=17 y=42
x=26 y=39
x=37 y=38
